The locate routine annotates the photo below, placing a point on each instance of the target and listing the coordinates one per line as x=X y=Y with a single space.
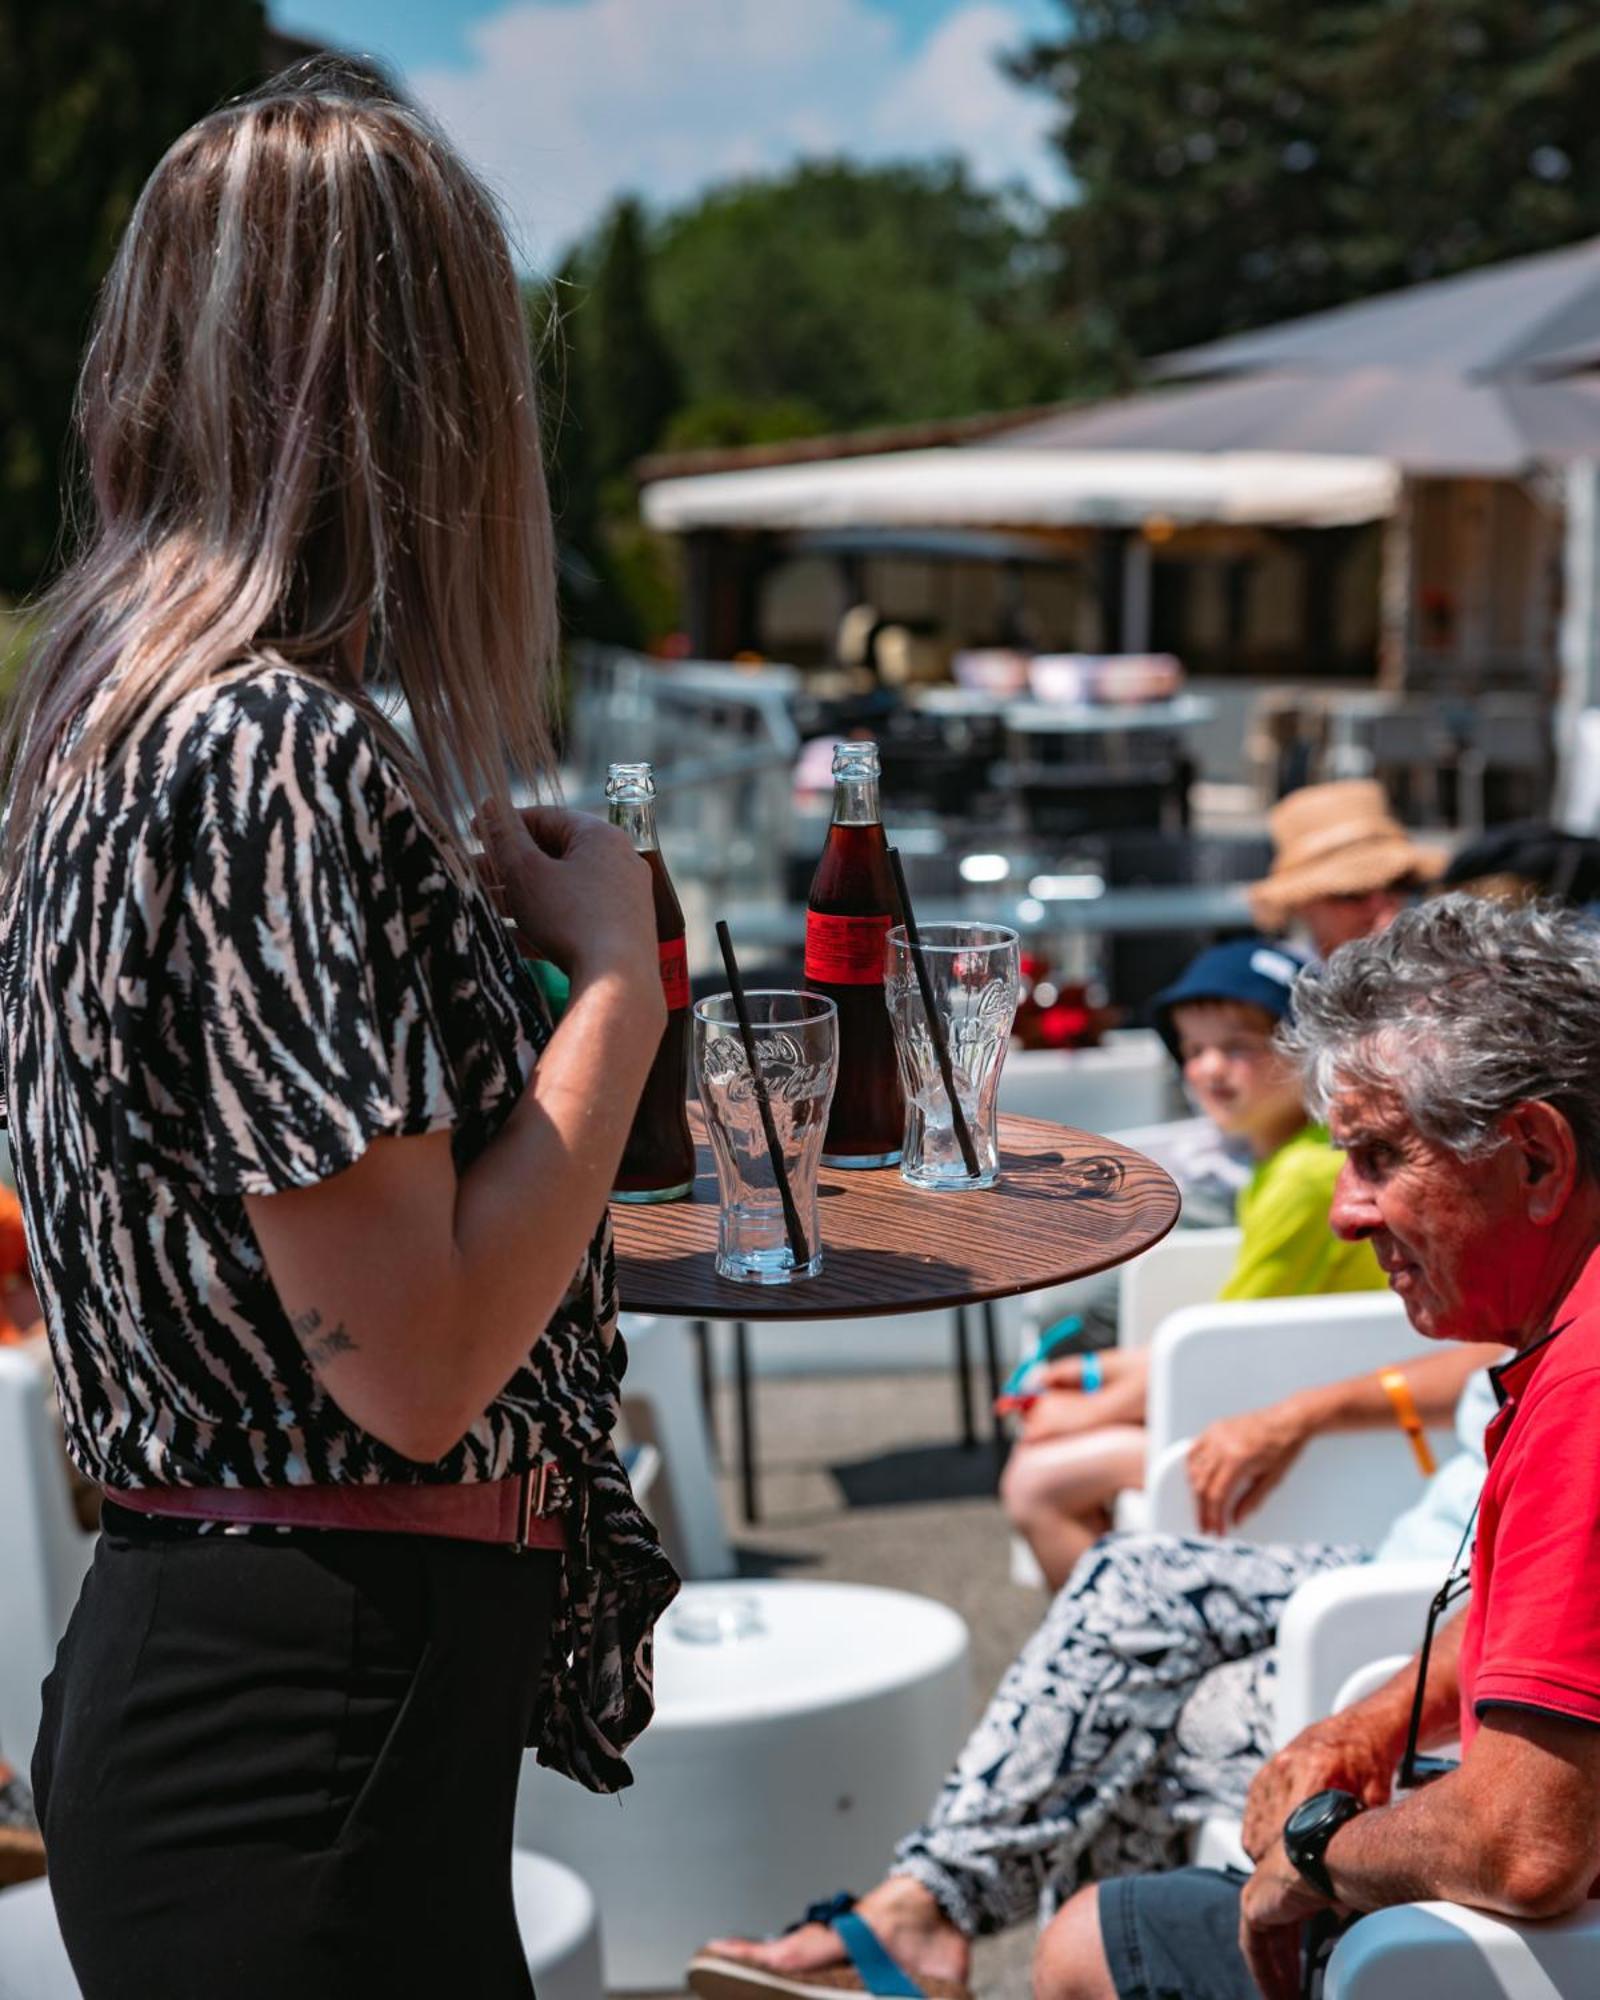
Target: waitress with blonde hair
x=314 y=1196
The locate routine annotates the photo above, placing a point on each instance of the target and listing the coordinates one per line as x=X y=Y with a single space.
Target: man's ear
x=1547 y=1157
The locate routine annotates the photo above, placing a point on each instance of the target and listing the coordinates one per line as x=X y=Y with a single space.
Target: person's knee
x=1069 y=1962
x=1018 y=1487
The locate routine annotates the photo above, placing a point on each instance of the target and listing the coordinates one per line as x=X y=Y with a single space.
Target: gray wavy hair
x=1464 y=1007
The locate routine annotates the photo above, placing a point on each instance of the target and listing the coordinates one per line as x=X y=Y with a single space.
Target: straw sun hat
x=1336 y=840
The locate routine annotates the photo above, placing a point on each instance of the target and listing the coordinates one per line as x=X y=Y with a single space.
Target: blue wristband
x=1063 y=1331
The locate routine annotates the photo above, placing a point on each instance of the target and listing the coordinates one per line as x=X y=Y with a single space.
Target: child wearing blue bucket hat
x=1082 y=1437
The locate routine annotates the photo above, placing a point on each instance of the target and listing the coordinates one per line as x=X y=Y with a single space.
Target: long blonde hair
x=307 y=401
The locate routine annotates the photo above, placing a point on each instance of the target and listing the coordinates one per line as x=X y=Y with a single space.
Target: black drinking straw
x=941 y=1048
x=791 y=1215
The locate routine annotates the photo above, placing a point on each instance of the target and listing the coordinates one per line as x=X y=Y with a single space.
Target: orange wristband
x=1398 y=1390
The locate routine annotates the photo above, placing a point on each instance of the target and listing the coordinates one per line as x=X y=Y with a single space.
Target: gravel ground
x=864 y=1481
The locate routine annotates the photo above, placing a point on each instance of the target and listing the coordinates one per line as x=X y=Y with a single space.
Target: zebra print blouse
x=235 y=956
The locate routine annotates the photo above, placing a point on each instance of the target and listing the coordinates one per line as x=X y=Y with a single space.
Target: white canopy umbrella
x=992 y=485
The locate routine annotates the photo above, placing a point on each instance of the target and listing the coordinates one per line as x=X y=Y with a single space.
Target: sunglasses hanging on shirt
x=1418 y=1770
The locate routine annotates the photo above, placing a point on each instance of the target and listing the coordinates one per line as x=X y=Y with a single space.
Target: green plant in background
x=872 y=295
x=1239 y=162
x=91 y=95
x=822 y=299
x=738 y=420
x=16 y=635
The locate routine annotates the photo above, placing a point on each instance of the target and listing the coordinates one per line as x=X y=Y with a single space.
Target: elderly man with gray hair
x=1457 y=1059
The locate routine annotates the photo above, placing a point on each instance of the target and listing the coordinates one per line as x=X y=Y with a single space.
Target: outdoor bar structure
x=1405 y=487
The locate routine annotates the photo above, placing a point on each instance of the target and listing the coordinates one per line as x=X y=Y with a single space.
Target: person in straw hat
x=1342 y=865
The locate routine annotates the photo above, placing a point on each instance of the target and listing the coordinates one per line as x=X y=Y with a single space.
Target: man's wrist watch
x=1309 y=1828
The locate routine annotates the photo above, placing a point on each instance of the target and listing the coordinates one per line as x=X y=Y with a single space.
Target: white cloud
x=565 y=106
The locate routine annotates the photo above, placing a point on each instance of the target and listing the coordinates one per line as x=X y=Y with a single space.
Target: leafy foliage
x=876 y=295
x=631 y=359
x=91 y=95
x=1243 y=161
x=827 y=298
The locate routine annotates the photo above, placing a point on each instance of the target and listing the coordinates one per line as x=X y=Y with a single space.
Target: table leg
x=991 y=1357
x=969 y=1432
x=701 y=1329
x=747 y=1423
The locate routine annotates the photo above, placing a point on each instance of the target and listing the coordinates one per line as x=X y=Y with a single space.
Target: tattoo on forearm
x=321 y=1342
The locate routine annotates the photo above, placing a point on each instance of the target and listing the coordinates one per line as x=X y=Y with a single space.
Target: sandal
x=871 y=1970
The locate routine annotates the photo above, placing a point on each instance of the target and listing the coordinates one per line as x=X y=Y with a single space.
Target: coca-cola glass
x=796 y=1038
x=973 y=973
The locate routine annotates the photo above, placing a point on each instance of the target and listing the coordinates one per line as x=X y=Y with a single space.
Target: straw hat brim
x=1354 y=870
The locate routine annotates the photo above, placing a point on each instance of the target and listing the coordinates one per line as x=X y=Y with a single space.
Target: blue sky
x=565 y=103
x=428 y=34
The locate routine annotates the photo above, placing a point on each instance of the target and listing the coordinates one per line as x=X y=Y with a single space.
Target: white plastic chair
x=1187 y=1268
x=44 y=1554
x=1209 y=1362
x=557 y=1917
x=1336 y=1626
x=1342 y=1635
x=1128 y=1080
x=1460 y=1954
x=662 y=1406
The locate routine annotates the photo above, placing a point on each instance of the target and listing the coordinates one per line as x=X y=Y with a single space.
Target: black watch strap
x=1308 y=1830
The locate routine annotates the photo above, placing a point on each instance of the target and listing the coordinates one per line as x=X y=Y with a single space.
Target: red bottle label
x=845 y=951
x=675 y=973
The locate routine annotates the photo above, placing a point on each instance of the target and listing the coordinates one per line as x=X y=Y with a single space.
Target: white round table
x=801 y=1729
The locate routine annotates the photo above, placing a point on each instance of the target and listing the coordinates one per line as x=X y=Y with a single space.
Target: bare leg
x=1059 y=1492
x=906 y=1919
x=1070 y=1961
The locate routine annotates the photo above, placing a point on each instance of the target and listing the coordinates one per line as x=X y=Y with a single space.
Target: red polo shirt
x=1532 y=1638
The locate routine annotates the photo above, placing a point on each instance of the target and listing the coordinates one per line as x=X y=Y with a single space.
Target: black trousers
x=285 y=1767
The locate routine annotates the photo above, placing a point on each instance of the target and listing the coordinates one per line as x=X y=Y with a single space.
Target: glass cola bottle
x=658 y=1160
x=848 y=914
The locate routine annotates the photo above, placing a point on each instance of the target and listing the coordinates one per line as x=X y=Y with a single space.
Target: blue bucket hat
x=1248 y=969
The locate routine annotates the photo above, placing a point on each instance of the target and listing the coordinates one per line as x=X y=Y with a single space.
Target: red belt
x=520 y=1513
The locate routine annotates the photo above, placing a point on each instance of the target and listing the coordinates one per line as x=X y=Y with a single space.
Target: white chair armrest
x=1130 y=1512
x=1348 y=1488
x=1338 y=1623
x=1367 y=1680
x=1441 y=1948
x=1168 y=1502
x=1219 y=1843
x=1210 y=1362
x=1215 y=1361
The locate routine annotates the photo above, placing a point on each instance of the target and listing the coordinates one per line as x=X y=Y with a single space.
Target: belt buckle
x=539 y=1486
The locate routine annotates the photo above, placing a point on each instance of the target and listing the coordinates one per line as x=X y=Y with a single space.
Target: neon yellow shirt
x=1289 y=1248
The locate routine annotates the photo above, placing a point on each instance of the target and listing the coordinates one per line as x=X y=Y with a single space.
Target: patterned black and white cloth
x=1140 y=1706
x=235 y=956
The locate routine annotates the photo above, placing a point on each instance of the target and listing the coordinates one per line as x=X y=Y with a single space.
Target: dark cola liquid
x=658 y=1160
x=848 y=914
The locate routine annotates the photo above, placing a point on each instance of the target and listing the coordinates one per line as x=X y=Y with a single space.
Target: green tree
x=1242 y=161
x=735 y=420
x=91 y=95
x=867 y=294
x=826 y=298
x=628 y=365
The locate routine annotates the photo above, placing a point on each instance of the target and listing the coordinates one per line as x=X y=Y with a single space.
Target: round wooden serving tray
x=1068 y=1204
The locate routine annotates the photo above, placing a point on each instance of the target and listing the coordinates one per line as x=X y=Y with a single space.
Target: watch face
x=1313 y=1814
